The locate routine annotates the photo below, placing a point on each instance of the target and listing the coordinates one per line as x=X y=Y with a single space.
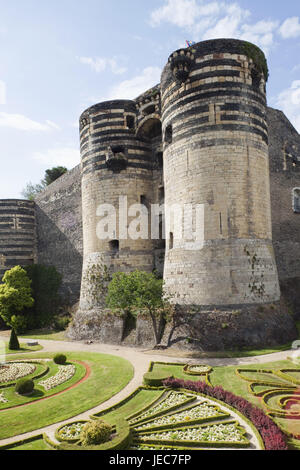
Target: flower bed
x=203 y=411
x=171 y=401
x=2 y=398
x=273 y=437
x=13 y=371
x=70 y=432
x=197 y=369
x=64 y=373
x=227 y=434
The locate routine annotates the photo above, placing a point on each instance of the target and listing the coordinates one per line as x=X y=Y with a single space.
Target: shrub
x=95 y=432
x=60 y=359
x=61 y=323
x=24 y=386
x=13 y=341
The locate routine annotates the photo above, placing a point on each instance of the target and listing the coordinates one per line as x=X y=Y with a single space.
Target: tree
x=15 y=294
x=32 y=190
x=13 y=341
x=53 y=174
x=138 y=292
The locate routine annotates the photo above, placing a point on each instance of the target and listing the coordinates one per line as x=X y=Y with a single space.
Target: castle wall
x=17 y=234
x=59 y=231
x=216 y=156
x=284 y=149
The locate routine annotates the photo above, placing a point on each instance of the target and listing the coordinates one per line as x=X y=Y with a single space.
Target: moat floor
x=140 y=359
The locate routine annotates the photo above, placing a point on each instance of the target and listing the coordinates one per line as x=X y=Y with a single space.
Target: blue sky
x=58 y=57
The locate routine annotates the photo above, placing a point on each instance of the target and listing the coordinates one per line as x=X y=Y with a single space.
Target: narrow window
x=162 y=241
x=169 y=134
x=114 y=245
x=118 y=149
x=161 y=194
x=130 y=122
x=143 y=200
x=149 y=110
x=171 y=241
x=296 y=200
x=159 y=160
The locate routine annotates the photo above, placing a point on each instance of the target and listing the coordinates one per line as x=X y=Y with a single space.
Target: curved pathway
x=140 y=359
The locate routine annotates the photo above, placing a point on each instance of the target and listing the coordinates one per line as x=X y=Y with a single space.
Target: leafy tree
x=32 y=190
x=138 y=292
x=53 y=174
x=15 y=293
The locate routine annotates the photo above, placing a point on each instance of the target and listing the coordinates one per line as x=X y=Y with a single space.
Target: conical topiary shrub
x=13 y=341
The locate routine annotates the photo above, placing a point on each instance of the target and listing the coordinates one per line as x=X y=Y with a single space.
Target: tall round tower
x=216 y=161
x=116 y=177
x=17 y=234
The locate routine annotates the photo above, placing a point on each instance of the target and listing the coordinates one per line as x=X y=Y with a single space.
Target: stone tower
x=17 y=234
x=216 y=156
x=117 y=169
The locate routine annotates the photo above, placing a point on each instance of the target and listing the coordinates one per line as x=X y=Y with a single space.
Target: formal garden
x=176 y=406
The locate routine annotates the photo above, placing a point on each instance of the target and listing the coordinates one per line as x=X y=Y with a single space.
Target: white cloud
x=23 y=123
x=53 y=125
x=289 y=101
x=290 y=28
x=100 y=64
x=2 y=92
x=205 y=19
x=181 y=13
x=63 y=156
x=130 y=89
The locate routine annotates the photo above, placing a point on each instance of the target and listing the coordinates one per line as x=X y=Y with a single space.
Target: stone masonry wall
x=284 y=150
x=59 y=231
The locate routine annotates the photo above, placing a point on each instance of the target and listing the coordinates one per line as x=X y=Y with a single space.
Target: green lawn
x=24 y=348
x=109 y=375
x=141 y=399
x=35 y=444
x=46 y=334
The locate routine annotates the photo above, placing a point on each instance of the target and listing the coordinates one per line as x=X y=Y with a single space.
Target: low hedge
x=159 y=413
x=70 y=441
x=191 y=444
x=22 y=442
x=273 y=438
x=189 y=371
x=121 y=442
x=155 y=379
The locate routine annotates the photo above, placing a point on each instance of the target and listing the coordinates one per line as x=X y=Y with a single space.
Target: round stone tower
x=17 y=234
x=116 y=178
x=216 y=166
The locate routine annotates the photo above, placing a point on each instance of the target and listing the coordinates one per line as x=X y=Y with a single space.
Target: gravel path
x=140 y=359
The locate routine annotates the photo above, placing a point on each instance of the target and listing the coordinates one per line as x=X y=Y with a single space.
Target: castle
x=203 y=137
